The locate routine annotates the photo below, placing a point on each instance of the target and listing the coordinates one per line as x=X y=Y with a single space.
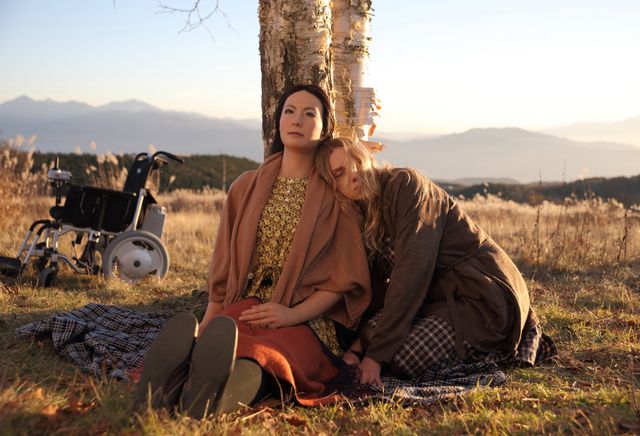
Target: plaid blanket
x=434 y=386
x=101 y=339
x=111 y=341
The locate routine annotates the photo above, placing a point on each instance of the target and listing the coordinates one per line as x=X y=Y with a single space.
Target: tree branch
x=195 y=16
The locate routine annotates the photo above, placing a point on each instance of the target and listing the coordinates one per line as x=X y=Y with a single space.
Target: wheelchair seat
x=107 y=209
x=64 y=213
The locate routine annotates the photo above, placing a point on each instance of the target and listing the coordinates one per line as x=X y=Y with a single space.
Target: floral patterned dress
x=276 y=230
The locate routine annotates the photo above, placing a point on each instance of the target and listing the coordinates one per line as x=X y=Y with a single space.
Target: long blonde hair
x=368 y=174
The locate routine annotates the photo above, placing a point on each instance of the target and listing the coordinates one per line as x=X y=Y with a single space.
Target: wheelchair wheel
x=131 y=256
x=40 y=263
x=10 y=266
x=47 y=276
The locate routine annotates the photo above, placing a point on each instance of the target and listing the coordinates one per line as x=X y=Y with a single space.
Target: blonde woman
x=443 y=291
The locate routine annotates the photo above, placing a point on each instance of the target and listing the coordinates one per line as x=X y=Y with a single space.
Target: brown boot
x=243 y=387
x=166 y=363
x=212 y=361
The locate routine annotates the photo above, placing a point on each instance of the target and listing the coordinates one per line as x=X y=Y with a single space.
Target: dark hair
x=328 y=119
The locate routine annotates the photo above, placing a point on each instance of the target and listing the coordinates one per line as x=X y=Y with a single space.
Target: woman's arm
x=276 y=315
x=418 y=214
x=418 y=217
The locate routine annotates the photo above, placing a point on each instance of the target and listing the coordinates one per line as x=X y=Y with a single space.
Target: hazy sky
x=438 y=67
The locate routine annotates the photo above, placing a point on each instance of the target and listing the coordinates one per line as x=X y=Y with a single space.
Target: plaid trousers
x=431 y=346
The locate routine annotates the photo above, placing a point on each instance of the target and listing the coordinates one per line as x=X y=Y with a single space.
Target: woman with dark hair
x=286 y=253
x=328 y=119
x=443 y=291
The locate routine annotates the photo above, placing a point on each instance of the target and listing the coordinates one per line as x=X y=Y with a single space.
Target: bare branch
x=195 y=16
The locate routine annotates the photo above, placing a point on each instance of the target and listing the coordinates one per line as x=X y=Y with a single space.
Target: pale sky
x=438 y=67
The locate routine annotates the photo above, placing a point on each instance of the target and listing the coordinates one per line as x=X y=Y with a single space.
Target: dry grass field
x=581 y=261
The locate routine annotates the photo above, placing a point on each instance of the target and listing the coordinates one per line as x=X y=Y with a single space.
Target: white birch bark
x=354 y=101
x=295 y=39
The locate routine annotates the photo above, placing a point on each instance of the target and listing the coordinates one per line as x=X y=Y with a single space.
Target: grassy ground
x=581 y=261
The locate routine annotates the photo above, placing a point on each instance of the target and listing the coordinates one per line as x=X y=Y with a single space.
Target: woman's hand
x=350 y=358
x=370 y=372
x=213 y=308
x=269 y=315
x=354 y=353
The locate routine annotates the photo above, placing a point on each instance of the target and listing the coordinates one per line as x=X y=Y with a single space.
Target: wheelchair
x=118 y=232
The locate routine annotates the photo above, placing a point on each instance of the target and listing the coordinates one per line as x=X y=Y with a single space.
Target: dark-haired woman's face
x=301 y=122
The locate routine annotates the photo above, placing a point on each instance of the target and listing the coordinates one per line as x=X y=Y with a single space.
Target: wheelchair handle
x=169 y=155
x=141 y=156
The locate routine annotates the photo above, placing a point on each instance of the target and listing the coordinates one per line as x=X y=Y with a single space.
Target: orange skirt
x=293 y=354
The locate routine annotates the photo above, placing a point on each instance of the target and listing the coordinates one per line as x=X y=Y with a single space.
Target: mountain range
x=485 y=154
x=127 y=127
x=513 y=153
x=625 y=131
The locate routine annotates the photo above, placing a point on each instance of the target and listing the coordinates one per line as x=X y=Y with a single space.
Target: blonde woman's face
x=345 y=174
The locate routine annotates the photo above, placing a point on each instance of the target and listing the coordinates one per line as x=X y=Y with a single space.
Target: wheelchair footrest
x=10 y=266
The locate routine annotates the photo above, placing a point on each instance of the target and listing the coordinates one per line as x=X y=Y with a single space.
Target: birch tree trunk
x=295 y=39
x=354 y=102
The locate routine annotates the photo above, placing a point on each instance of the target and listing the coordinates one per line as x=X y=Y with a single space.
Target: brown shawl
x=326 y=253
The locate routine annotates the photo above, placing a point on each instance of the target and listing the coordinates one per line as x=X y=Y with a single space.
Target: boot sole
x=212 y=360
x=242 y=388
x=168 y=351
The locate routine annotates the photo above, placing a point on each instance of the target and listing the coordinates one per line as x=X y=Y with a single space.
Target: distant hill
x=624 y=189
x=470 y=181
x=127 y=127
x=475 y=155
x=197 y=171
x=513 y=153
x=626 y=131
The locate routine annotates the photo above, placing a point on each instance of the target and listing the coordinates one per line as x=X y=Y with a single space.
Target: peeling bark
x=354 y=102
x=295 y=39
